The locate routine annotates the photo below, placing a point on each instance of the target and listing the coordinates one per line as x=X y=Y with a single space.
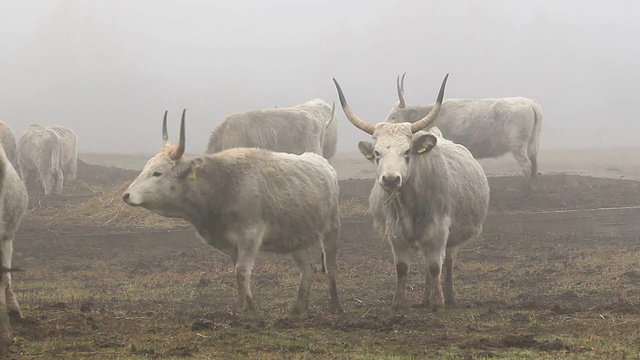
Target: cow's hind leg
x=330 y=266
x=449 y=262
x=302 y=259
x=525 y=164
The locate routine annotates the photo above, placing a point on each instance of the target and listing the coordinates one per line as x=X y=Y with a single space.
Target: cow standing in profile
x=489 y=128
x=40 y=159
x=244 y=200
x=308 y=127
x=13 y=199
x=430 y=195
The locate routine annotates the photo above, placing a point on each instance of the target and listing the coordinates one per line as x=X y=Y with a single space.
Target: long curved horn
x=355 y=120
x=433 y=114
x=165 y=135
x=400 y=88
x=179 y=151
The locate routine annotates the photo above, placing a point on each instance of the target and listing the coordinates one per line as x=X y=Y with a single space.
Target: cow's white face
x=392 y=149
x=157 y=186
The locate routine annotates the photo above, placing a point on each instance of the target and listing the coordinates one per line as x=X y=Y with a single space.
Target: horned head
x=153 y=185
x=394 y=144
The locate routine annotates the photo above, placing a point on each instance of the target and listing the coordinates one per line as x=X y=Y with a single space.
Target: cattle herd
x=265 y=183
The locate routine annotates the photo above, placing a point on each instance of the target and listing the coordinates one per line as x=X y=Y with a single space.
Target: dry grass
x=354 y=208
x=109 y=209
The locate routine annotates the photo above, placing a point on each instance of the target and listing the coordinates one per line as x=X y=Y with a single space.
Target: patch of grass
x=108 y=209
x=354 y=208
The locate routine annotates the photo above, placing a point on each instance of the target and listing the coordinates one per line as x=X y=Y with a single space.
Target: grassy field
x=163 y=295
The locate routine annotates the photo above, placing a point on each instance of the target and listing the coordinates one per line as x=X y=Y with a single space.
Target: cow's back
x=282 y=130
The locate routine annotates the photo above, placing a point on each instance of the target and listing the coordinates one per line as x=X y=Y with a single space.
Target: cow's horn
x=400 y=89
x=333 y=114
x=179 y=151
x=165 y=135
x=433 y=114
x=355 y=120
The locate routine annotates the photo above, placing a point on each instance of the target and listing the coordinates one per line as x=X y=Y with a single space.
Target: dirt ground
x=88 y=292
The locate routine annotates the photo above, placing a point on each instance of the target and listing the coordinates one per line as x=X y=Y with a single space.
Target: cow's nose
x=391 y=180
x=125 y=197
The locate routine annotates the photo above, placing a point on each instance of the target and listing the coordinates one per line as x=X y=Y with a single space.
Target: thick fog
x=109 y=69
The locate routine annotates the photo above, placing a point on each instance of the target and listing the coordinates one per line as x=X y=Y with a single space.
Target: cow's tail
x=534 y=140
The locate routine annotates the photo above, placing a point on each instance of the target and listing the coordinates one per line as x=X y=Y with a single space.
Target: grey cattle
x=307 y=127
x=430 y=195
x=69 y=150
x=8 y=142
x=13 y=199
x=244 y=200
x=487 y=127
x=40 y=159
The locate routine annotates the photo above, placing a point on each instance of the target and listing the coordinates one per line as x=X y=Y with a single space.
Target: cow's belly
x=284 y=243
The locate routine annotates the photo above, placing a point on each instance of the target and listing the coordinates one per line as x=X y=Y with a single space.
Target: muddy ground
x=166 y=295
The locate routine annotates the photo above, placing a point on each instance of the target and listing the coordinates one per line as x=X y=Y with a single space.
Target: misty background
x=109 y=69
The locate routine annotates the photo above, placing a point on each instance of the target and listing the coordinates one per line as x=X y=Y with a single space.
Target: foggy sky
x=109 y=69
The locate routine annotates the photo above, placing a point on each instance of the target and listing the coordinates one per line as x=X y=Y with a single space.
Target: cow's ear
x=366 y=148
x=188 y=169
x=423 y=143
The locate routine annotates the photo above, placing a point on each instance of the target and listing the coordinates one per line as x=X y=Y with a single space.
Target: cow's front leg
x=402 y=253
x=302 y=259
x=248 y=246
x=434 y=249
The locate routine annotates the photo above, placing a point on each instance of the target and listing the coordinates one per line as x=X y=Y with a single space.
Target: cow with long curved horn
x=489 y=127
x=242 y=201
x=430 y=195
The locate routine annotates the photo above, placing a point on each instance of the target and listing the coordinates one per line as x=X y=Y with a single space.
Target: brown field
x=105 y=281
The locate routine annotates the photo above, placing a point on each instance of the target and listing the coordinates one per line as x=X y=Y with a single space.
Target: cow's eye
x=157 y=174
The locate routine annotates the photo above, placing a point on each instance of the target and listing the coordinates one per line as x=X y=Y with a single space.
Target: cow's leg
x=46 y=179
x=449 y=262
x=5 y=325
x=402 y=253
x=246 y=255
x=302 y=259
x=330 y=255
x=6 y=247
x=525 y=164
x=59 y=181
x=434 y=250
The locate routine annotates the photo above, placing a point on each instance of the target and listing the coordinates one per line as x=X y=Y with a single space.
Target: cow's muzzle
x=391 y=181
